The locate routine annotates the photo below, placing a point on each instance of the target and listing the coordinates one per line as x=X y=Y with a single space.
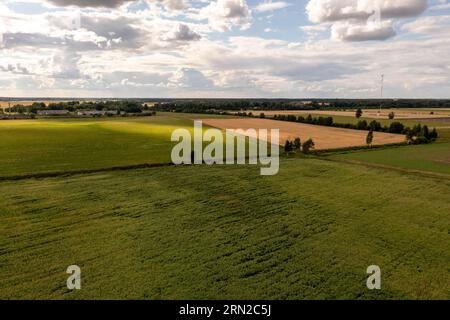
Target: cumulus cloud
x=90 y=3
x=170 y=4
x=182 y=33
x=429 y=25
x=355 y=32
x=271 y=6
x=140 y=50
x=191 y=78
x=336 y=10
x=363 y=20
x=224 y=14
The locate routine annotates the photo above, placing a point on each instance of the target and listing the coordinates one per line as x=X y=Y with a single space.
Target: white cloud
x=271 y=6
x=224 y=14
x=362 y=32
x=170 y=4
x=152 y=50
x=429 y=25
x=363 y=20
x=90 y=3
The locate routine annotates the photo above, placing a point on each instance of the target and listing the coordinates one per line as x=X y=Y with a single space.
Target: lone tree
x=391 y=115
x=297 y=144
x=359 y=113
x=369 y=139
x=308 y=145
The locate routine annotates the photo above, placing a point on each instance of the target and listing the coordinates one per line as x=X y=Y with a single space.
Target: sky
x=225 y=48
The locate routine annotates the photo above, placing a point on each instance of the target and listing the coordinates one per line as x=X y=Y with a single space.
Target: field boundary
x=54 y=174
x=386 y=167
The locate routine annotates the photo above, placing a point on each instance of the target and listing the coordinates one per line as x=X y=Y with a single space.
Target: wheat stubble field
x=325 y=138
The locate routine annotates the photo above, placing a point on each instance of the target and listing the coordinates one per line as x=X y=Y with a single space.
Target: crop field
x=324 y=137
x=226 y=232
x=37 y=146
x=63 y=145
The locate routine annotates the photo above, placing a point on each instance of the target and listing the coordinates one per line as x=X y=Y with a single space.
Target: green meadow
x=433 y=157
x=225 y=232
x=37 y=146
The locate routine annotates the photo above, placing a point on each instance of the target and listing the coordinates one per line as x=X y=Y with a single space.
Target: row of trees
x=257 y=105
x=418 y=134
x=72 y=106
x=297 y=145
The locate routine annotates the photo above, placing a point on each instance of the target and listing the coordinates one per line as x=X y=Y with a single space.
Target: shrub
x=288 y=147
x=375 y=125
x=359 y=113
x=396 y=127
x=308 y=145
x=362 y=125
x=297 y=144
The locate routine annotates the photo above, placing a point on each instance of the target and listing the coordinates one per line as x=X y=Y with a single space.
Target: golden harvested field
x=370 y=113
x=324 y=137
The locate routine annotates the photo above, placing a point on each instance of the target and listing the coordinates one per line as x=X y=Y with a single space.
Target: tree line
x=72 y=106
x=419 y=134
x=257 y=105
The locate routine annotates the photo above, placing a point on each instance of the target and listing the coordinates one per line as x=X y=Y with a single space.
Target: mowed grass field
x=56 y=145
x=225 y=232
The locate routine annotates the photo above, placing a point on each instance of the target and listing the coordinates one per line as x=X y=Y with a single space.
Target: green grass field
x=37 y=146
x=225 y=232
x=433 y=157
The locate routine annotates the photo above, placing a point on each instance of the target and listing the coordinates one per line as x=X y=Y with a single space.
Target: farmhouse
x=52 y=112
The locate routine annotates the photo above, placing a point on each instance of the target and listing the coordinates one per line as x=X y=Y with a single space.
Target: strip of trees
x=132 y=107
x=419 y=134
x=259 y=105
x=297 y=145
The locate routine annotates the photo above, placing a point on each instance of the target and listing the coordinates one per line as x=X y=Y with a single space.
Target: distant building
x=52 y=112
x=96 y=112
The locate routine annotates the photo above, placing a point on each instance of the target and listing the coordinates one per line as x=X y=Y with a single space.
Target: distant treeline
x=215 y=106
x=72 y=106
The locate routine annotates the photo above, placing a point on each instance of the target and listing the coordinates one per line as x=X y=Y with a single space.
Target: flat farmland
x=225 y=232
x=400 y=114
x=62 y=145
x=325 y=138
